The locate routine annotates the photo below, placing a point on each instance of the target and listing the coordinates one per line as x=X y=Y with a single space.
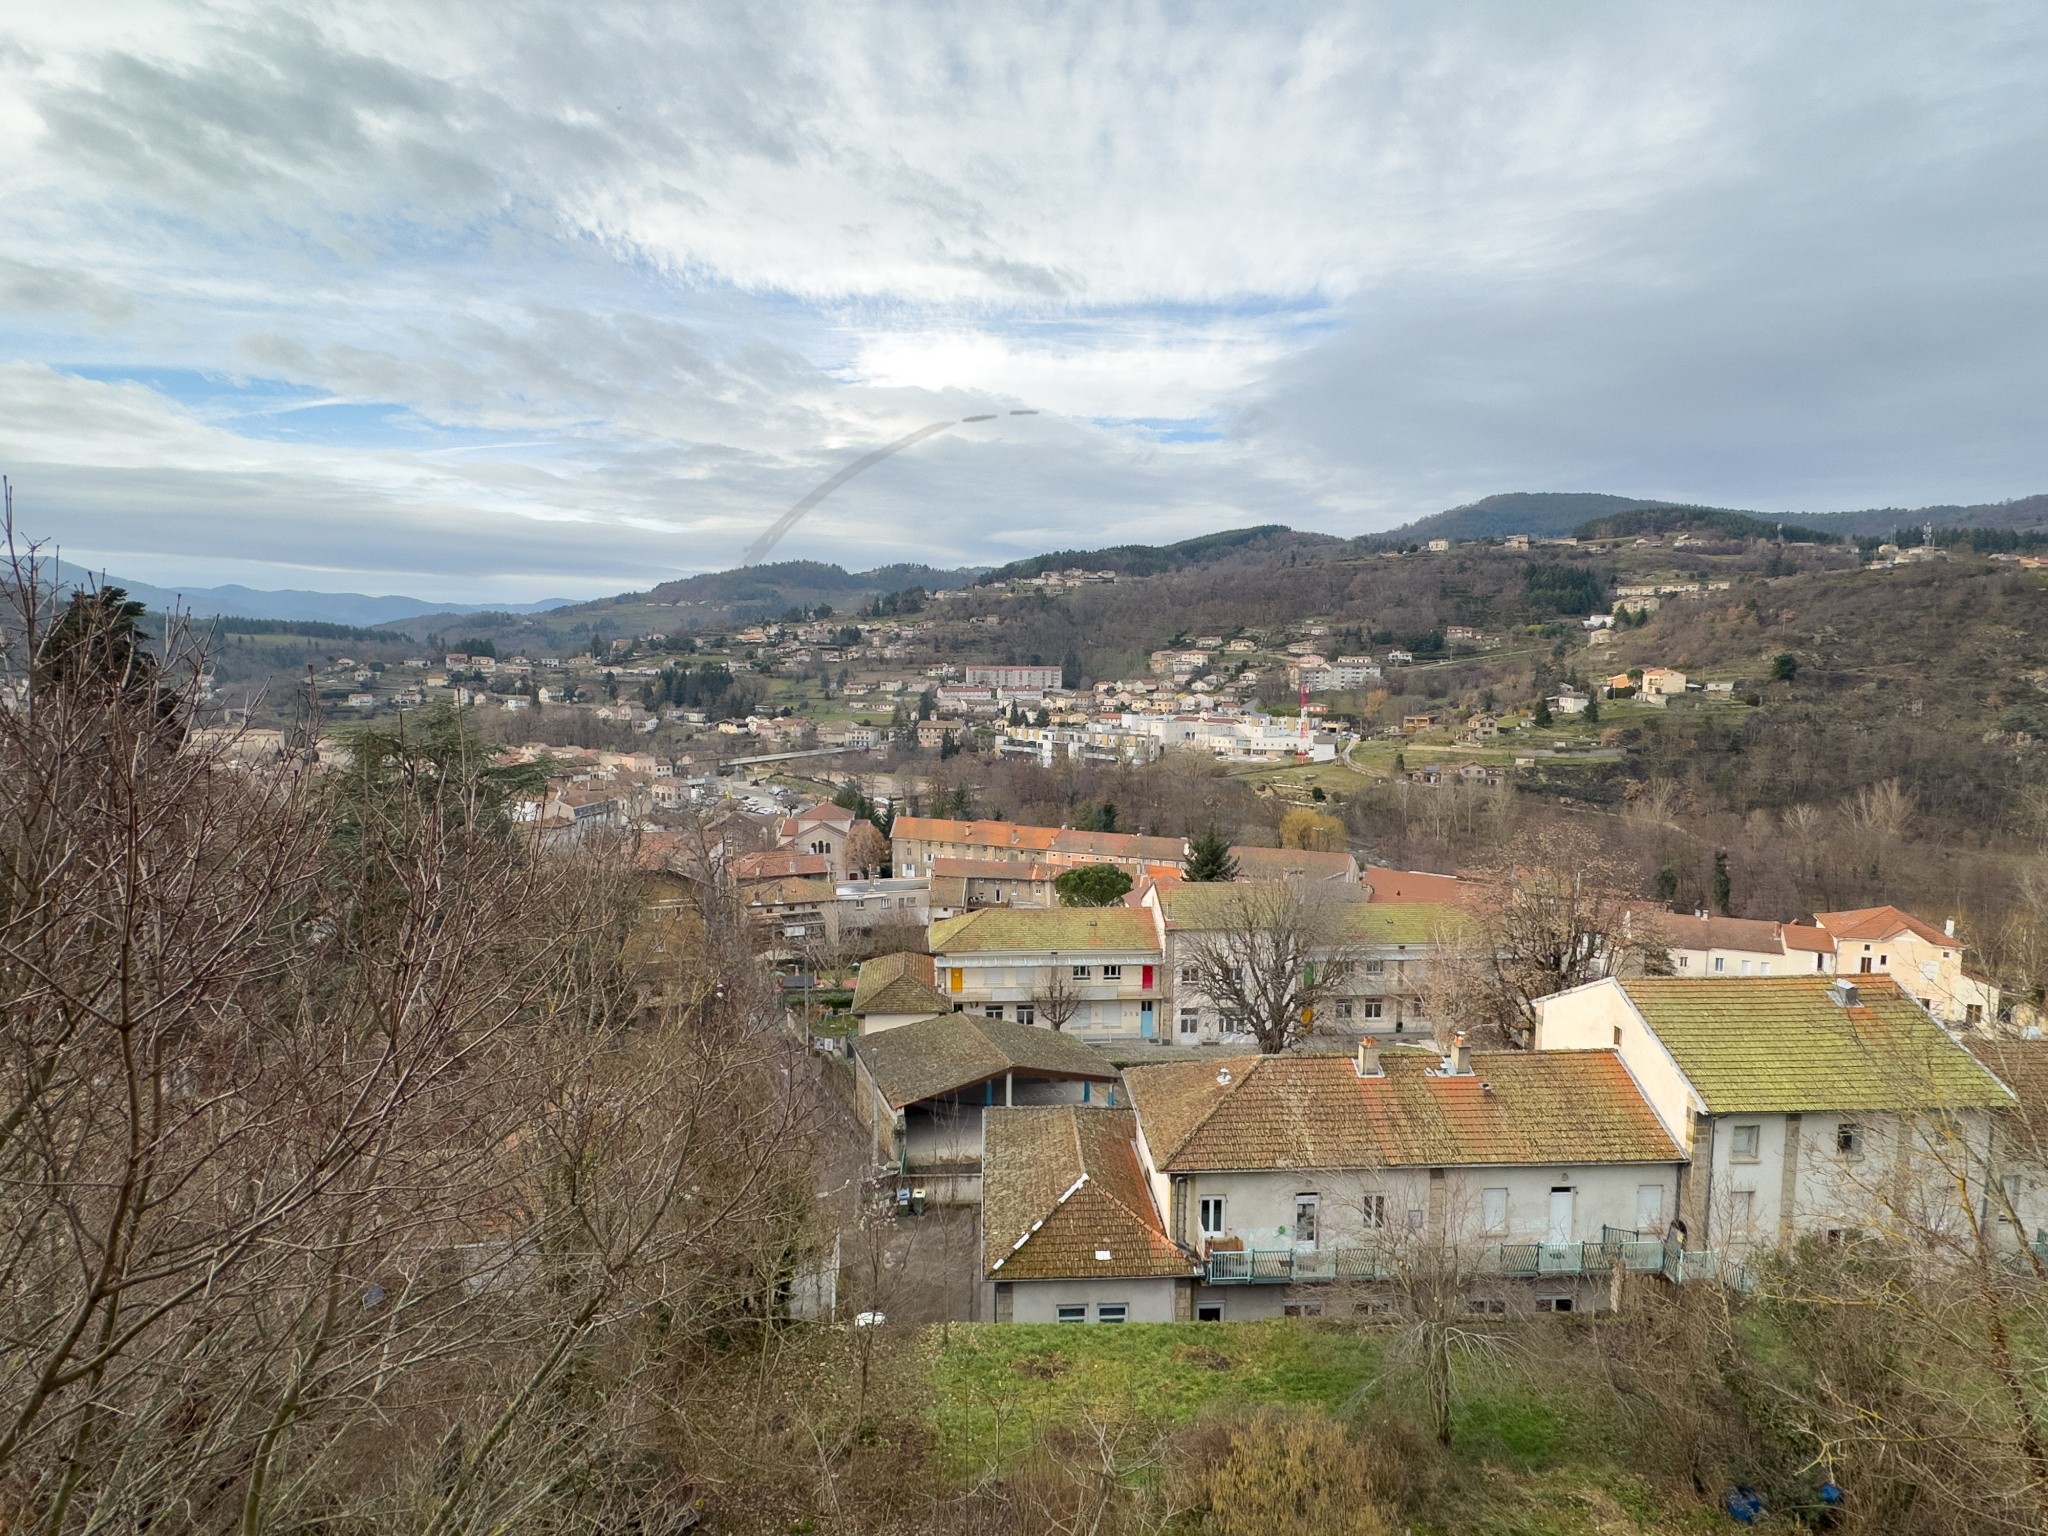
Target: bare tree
x=1556 y=920
x=1271 y=954
x=866 y=850
x=1056 y=999
x=330 y=1104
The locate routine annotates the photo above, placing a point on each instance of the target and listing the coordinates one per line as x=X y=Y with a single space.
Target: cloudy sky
x=509 y=300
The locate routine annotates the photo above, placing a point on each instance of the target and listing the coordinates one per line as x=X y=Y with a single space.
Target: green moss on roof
x=1403 y=922
x=1781 y=1045
x=899 y=983
x=1024 y=929
x=942 y=1055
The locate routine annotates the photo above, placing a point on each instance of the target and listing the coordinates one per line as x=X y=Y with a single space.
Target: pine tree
x=1209 y=858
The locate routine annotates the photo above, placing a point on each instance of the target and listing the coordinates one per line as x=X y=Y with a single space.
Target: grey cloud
x=42 y=290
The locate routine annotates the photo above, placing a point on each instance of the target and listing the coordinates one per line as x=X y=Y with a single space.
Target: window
x=1208 y=1311
x=1973 y=1013
x=1554 y=1304
x=1210 y=1215
x=991 y=1010
x=1302 y=1309
x=1112 y=973
x=1864 y=965
x=1082 y=973
x=1306 y=1210
x=1027 y=1013
x=1486 y=1306
x=1344 y=1010
x=1684 y=962
x=1375 y=1212
x=1190 y=1021
x=1744 y=1148
x=1763 y=967
x=1742 y=1209
x=1111 y=1312
x=1372 y=1010
x=1493 y=1209
x=1649 y=1207
x=1375 y=967
x=1414 y=1218
x=1720 y=964
x=1070 y=1314
x=1849 y=1139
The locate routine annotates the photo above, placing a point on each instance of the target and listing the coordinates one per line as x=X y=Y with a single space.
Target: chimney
x=1843 y=994
x=1949 y=927
x=1461 y=1056
x=1369 y=1061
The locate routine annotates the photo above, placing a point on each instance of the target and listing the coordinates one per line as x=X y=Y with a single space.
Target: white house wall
x=1599 y=1017
x=1259 y=1207
x=1039 y=1301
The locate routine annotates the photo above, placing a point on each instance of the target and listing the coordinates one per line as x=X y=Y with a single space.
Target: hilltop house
x=919 y=840
x=1799 y=1102
x=1098 y=966
x=1926 y=961
x=1389 y=946
x=1524 y=1170
x=1069 y=1230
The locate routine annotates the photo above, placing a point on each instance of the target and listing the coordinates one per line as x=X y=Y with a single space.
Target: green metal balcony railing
x=1632 y=1251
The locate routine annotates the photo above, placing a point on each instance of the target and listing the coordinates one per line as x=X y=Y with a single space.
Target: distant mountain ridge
x=353 y=608
x=760 y=591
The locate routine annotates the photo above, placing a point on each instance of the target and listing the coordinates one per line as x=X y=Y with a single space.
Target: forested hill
x=1553 y=514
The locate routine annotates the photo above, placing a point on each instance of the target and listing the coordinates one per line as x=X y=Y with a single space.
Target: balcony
x=1634 y=1252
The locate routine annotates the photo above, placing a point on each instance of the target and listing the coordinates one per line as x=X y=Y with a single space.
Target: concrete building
x=1802 y=1103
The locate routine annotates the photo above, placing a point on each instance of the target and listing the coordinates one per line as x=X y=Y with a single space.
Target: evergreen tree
x=1723 y=886
x=1540 y=715
x=1209 y=858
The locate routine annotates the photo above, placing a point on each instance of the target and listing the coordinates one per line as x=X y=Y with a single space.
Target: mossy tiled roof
x=1289 y=1111
x=957 y=1050
x=1781 y=1045
x=1414 y=923
x=1064 y=1197
x=1278 y=863
x=898 y=983
x=1022 y=930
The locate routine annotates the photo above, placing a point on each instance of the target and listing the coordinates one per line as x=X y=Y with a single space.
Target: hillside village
x=1133 y=1143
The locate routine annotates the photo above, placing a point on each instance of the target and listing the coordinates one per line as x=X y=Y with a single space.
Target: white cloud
x=633 y=278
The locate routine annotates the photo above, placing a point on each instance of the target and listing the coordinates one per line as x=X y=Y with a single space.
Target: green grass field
x=1531 y=1456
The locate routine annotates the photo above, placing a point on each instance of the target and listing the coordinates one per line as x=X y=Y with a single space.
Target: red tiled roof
x=990 y=869
x=980 y=834
x=1879 y=923
x=1064 y=1197
x=1813 y=941
x=779 y=864
x=1514 y=1107
x=1686 y=930
x=1416 y=885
